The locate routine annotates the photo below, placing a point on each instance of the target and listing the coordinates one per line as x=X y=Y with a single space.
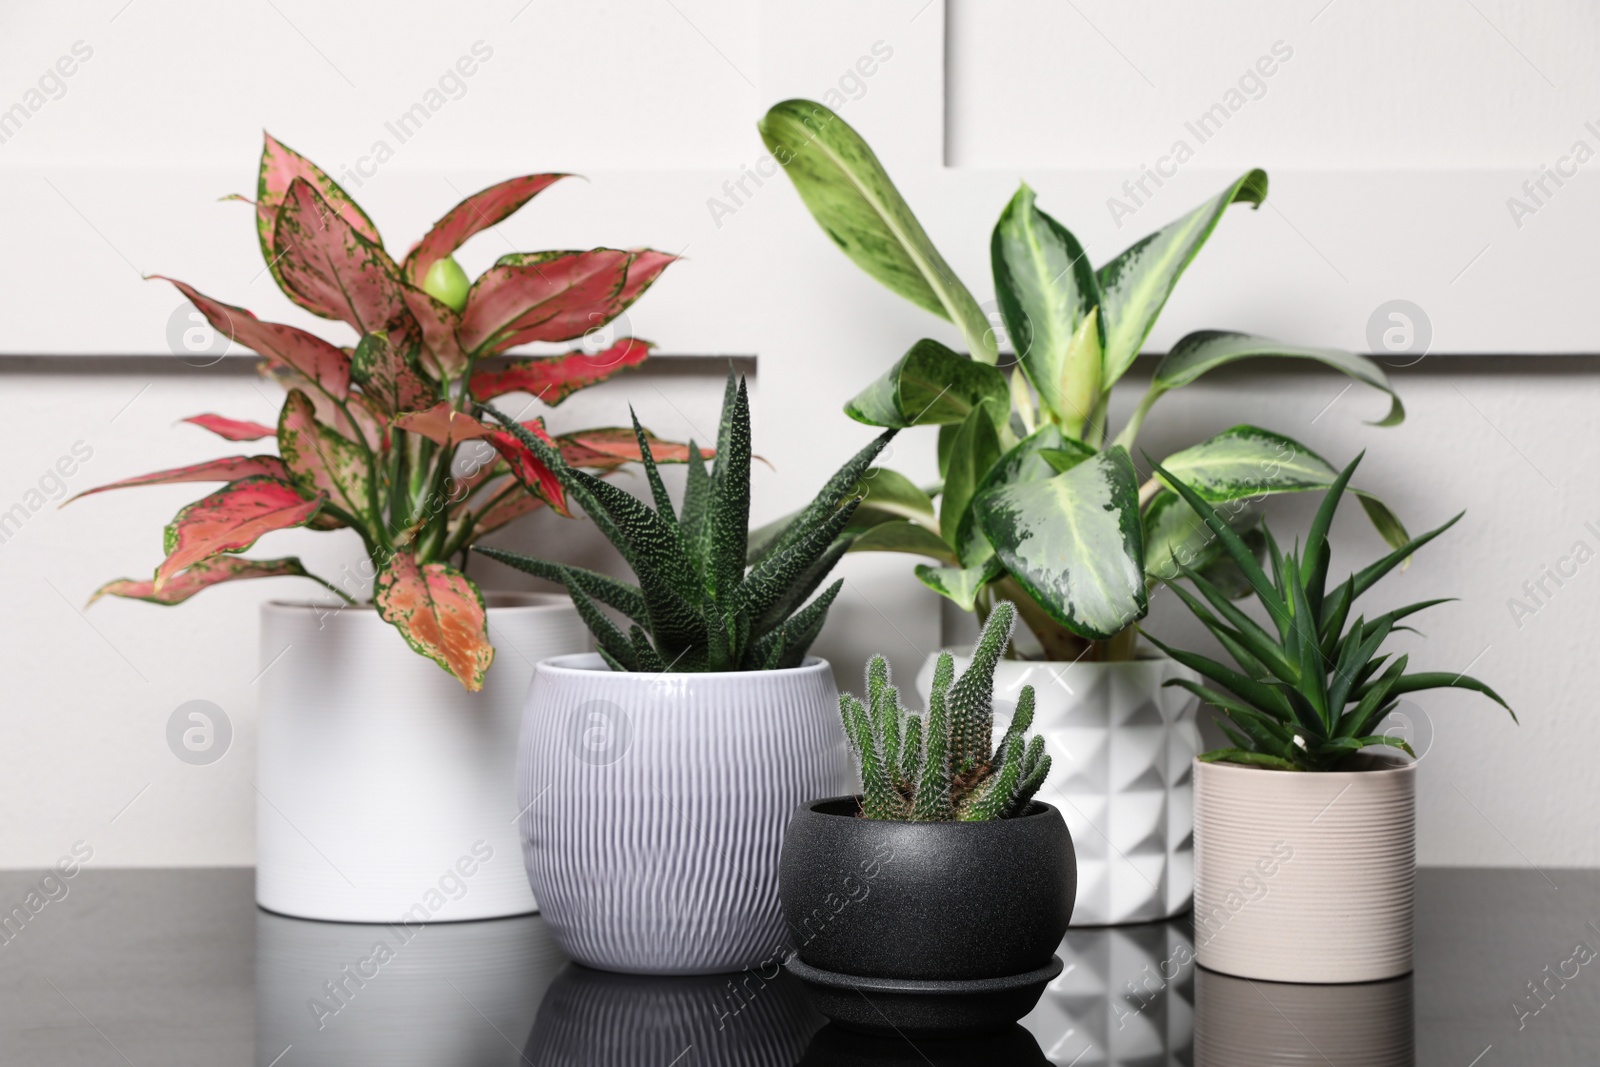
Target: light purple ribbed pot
x=654 y=806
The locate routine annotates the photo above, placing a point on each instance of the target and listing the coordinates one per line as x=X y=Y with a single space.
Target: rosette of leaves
x=697 y=606
x=940 y=767
x=1312 y=690
x=1040 y=501
x=376 y=433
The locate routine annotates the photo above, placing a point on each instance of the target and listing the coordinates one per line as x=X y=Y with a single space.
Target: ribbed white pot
x=1304 y=877
x=654 y=806
x=378 y=775
x=1121 y=747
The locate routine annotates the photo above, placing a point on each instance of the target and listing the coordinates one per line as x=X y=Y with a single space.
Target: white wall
x=1391 y=165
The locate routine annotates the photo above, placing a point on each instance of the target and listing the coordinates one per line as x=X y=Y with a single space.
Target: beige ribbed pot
x=1303 y=877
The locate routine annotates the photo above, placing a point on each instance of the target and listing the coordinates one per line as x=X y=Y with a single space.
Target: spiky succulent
x=940 y=768
x=695 y=607
x=1314 y=690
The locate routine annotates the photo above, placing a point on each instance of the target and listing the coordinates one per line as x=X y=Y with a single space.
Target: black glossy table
x=176 y=967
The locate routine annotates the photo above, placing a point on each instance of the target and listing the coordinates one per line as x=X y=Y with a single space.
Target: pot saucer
x=910 y=1006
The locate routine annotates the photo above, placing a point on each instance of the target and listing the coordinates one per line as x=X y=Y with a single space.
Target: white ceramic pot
x=1240 y=1023
x=1305 y=877
x=377 y=775
x=654 y=806
x=1121 y=747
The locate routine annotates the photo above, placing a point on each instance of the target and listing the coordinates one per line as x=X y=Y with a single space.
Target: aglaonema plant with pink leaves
x=378 y=436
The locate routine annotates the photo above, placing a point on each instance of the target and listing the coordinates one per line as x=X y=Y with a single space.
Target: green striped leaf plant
x=1312 y=687
x=1039 y=500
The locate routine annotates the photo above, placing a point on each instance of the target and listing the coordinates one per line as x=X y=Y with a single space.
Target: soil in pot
x=925 y=927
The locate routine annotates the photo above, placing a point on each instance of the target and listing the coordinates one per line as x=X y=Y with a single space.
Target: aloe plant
x=1039 y=501
x=373 y=436
x=940 y=767
x=1313 y=690
x=696 y=607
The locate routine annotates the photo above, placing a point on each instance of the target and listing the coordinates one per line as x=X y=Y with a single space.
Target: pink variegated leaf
x=441 y=354
x=329 y=263
x=645 y=267
x=201 y=576
x=551 y=379
x=389 y=376
x=232 y=429
x=320 y=461
x=280 y=167
x=547 y=296
x=613 y=446
x=356 y=419
x=474 y=214
x=228 y=469
x=528 y=468
x=443 y=425
x=506 y=511
x=462 y=490
x=307 y=353
x=231 y=520
x=440 y=613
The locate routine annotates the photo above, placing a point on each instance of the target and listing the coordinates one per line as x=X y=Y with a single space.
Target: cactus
x=939 y=767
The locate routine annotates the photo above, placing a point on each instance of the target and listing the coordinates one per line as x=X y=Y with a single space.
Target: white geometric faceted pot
x=384 y=789
x=1305 y=877
x=653 y=807
x=1121 y=746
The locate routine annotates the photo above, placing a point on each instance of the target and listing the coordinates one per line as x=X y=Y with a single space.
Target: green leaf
x=849 y=193
x=1172 y=530
x=1074 y=542
x=929 y=385
x=1039 y=456
x=728 y=508
x=1047 y=290
x=624 y=596
x=1209 y=349
x=1414 y=683
x=903 y=536
x=696 y=491
x=1253 y=759
x=960 y=584
x=1134 y=287
x=1369 y=575
x=846 y=482
x=975 y=450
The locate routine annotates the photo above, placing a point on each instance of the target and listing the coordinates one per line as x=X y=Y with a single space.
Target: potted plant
x=376 y=771
x=935 y=899
x=656 y=774
x=1296 y=813
x=1040 y=502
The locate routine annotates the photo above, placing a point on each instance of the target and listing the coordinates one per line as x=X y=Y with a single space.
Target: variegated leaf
x=545 y=296
x=441 y=354
x=232 y=429
x=389 y=375
x=613 y=446
x=440 y=613
x=318 y=361
x=528 y=468
x=551 y=379
x=227 y=469
x=320 y=461
x=478 y=212
x=443 y=425
x=355 y=419
x=231 y=520
x=201 y=576
x=280 y=167
x=506 y=511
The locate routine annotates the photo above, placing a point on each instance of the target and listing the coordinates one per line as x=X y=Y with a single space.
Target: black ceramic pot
x=926 y=927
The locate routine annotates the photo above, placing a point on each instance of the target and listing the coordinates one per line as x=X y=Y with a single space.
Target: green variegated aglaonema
x=1312 y=688
x=1039 y=501
x=378 y=436
x=697 y=606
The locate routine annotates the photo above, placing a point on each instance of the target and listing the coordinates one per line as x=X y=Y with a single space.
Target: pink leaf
x=443 y=425
x=389 y=375
x=506 y=511
x=230 y=469
x=441 y=352
x=232 y=429
x=320 y=461
x=552 y=379
x=201 y=576
x=551 y=296
x=476 y=213
x=355 y=420
x=528 y=468
x=615 y=445
x=440 y=613
x=280 y=167
x=331 y=265
x=307 y=353
x=643 y=270
x=231 y=520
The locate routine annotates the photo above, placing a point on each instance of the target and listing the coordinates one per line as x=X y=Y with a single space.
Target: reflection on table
x=499 y=992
